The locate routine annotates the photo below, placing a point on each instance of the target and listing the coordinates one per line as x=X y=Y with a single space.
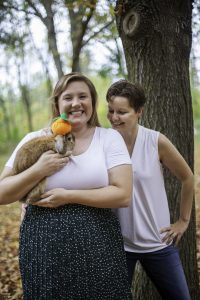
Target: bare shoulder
x=163 y=141
x=166 y=148
x=172 y=158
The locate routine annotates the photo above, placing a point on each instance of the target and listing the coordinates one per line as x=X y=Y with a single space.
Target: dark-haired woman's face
x=121 y=115
x=76 y=102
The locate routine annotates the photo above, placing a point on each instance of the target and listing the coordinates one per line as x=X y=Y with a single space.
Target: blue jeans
x=165 y=270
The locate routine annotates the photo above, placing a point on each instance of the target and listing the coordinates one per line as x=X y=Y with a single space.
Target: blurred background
x=40 y=41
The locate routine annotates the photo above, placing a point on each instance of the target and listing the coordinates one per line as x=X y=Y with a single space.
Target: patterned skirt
x=73 y=252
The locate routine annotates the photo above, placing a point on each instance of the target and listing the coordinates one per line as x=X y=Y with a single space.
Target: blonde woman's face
x=76 y=102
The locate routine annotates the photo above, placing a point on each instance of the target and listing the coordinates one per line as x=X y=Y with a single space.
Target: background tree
x=5 y=118
x=80 y=14
x=24 y=10
x=156 y=37
x=18 y=17
x=88 y=22
x=44 y=62
x=38 y=8
x=116 y=65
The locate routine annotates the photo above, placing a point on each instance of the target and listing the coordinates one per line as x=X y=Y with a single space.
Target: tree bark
x=5 y=118
x=48 y=21
x=52 y=42
x=80 y=15
x=156 y=37
x=27 y=104
x=25 y=97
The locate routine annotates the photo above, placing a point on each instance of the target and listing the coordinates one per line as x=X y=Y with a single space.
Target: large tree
x=156 y=37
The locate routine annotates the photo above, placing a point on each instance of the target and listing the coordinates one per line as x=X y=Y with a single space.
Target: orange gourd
x=61 y=125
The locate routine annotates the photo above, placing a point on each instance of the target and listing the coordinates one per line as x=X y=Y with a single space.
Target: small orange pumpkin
x=61 y=125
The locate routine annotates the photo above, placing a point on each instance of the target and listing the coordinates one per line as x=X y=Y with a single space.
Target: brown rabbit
x=31 y=151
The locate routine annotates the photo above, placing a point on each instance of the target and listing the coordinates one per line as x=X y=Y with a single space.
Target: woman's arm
x=14 y=187
x=116 y=194
x=172 y=159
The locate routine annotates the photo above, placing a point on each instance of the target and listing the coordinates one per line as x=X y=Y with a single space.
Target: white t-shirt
x=89 y=169
x=148 y=212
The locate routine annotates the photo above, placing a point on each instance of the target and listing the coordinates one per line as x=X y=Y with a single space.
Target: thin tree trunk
x=27 y=104
x=48 y=21
x=80 y=16
x=156 y=37
x=25 y=100
x=5 y=118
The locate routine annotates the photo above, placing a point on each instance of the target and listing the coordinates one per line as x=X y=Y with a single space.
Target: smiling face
x=76 y=102
x=122 y=116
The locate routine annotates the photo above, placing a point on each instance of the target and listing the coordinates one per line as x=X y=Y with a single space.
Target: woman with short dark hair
x=148 y=235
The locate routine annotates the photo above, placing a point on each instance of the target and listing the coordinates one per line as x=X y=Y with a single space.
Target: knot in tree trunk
x=131 y=23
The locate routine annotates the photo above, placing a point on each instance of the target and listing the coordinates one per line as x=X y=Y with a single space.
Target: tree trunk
x=53 y=47
x=5 y=119
x=156 y=37
x=76 y=38
x=25 y=99
x=27 y=104
x=80 y=15
x=49 y=22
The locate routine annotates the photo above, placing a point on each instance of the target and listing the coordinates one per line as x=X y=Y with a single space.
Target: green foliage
x=196 y=112
x=102 y=84
x=40 y=112
x=17 y=118
x=3 y=158
x=196 y=103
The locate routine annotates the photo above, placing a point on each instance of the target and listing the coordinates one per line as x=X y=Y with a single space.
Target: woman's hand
x=174 y=232
x=53 y=198
x=51 y=162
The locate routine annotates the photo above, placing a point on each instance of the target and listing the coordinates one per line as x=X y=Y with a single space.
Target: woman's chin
x=77 y=123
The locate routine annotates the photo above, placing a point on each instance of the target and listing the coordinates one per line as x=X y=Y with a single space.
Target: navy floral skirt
x=72 y=252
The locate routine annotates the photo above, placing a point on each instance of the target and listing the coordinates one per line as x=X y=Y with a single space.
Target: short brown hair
x=132 y=91
x=62 y=85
